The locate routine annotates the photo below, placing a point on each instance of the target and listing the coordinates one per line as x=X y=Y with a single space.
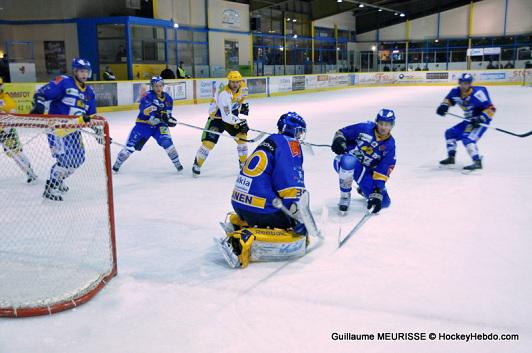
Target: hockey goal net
x=527 y=77
x=54 y=254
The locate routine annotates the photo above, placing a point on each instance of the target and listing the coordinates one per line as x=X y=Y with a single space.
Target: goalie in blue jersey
x=153 y=120
x=478 y=110
x=266 y=199
x=366 y=155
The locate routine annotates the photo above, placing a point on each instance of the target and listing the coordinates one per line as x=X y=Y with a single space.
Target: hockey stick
x=359 y=225
x=302 y=142
x=526 y=134
x=313 y=230
x=221 y=133
x=92 y=133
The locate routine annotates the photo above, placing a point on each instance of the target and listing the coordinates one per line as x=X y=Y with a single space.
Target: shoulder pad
x=268 y=145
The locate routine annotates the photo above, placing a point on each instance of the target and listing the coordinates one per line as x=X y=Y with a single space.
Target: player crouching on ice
x=478 y=109
x=155 y=116
x=270 y=201
x=366 y=154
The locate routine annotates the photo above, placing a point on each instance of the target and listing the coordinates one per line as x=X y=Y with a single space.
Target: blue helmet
x=386 y=115
x=465 y=77
x=293 y=125
x=81 y=64
x=156 y=79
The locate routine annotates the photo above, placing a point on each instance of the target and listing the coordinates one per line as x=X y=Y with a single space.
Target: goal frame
x=76 y=301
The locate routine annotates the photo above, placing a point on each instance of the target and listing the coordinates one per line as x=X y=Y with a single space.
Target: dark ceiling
x=367 y=18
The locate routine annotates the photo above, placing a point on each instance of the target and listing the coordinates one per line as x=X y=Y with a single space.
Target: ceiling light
x=395 y=14
x=294 y=20
x=338 y=0
x=373 y=48
x=288 y=19
x=436 y=40
x=402 y=15
x=360 y=5
x=294 y=36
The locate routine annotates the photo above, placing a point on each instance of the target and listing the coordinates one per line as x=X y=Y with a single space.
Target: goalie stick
x=222 y=134
x=302 y=214
x=526 y=134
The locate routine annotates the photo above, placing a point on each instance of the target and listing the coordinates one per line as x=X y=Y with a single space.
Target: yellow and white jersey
x=226 y=104
x=7 y=104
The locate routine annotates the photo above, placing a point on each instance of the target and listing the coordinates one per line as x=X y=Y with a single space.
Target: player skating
x=68 y=95
x=478 y=109
x=366 y=155
x=153 y=120
x=271 y=179
x=225 y=114
x=9 y=139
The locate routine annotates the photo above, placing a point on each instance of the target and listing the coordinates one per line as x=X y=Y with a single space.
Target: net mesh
x=51 y=251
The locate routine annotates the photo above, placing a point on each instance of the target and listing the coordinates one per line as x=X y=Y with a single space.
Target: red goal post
x=54 y=255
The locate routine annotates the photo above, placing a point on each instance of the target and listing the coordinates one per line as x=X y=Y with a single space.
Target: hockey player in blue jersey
x=478 y=109
x=365 y=154
x=68 y=95
x=274 y=172
x=153 y=120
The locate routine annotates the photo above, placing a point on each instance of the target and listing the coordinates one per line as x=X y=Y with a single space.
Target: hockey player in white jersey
x=227 y=112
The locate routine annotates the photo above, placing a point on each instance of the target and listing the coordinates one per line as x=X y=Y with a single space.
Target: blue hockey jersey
x=475 y=102
x=151 y=103
x=68 y=97
x=371 y=150
x=275 y=169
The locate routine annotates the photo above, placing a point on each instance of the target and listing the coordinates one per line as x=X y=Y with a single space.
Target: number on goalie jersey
x=68 y=95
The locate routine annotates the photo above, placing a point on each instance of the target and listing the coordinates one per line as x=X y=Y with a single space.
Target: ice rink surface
x=451 y=255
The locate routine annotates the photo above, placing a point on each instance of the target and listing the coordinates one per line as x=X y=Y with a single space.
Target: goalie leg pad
x=262 y=244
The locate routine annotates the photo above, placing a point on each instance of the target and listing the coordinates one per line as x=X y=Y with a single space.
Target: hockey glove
x=442 y=109
x=38 y=104
x=477 y=120
x=156 y=118
x=244 y=109
x=242 y=126
x=375 y=200
x=100 y=138
x=168 y=119
x=339 y=146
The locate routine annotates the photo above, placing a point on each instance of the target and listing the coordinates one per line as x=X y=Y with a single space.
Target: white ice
x=451 y=254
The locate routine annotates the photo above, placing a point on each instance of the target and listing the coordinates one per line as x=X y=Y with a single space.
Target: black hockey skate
x=475 y=166
x=196 y=169
x=447 y=161
x=52 y=192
